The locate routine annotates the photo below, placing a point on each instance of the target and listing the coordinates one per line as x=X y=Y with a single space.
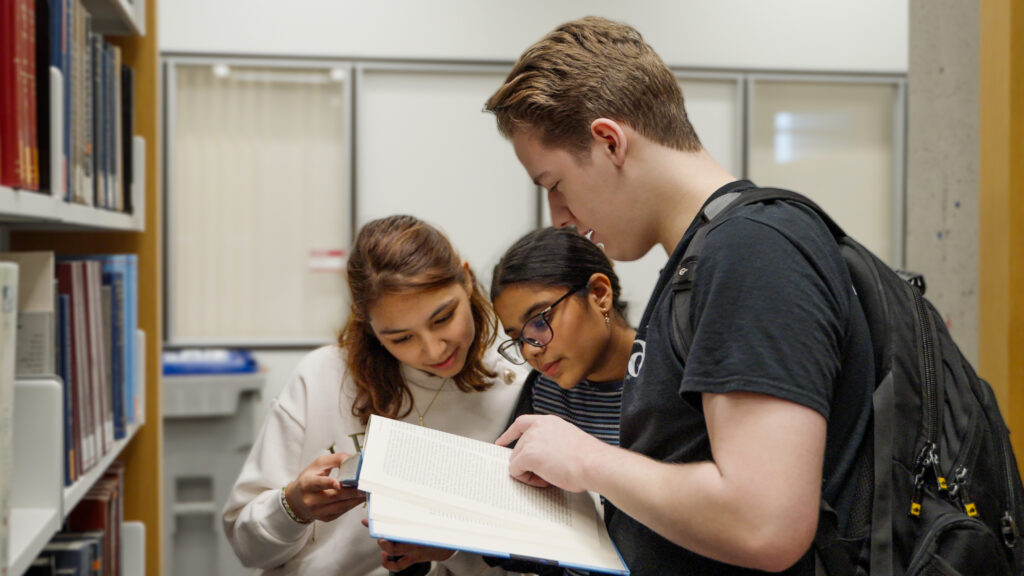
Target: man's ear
x=611 y=137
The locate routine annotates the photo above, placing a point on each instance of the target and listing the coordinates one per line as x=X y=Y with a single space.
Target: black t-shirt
x=774 y=312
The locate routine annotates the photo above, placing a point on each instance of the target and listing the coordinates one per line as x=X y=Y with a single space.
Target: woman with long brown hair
x=417 y=346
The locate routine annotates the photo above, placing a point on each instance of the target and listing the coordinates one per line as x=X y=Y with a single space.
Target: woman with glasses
x=557 y=297
x=558 y=300
x=417 y=346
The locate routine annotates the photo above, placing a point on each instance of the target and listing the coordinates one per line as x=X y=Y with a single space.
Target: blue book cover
x=131 y=292
x=95 y=540
x=64 y=371
x=74 y=554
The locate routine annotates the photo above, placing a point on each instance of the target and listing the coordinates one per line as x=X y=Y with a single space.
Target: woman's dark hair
x=554 y=257
x=404 y=255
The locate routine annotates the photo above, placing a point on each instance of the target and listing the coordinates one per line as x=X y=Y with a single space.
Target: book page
x=398 y=519
x=464 y=473
x=439 y=489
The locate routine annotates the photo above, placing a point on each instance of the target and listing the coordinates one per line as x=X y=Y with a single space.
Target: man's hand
x=550 y=450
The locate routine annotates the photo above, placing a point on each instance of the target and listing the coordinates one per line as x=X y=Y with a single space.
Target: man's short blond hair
x=587 y=69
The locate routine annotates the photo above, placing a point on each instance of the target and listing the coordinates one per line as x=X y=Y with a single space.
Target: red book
x=22 y=79
x=10 y=172
x=71 y=281
x=28 y=66
x=100 y=509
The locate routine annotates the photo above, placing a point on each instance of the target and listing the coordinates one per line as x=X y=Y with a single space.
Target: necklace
x=430 y=405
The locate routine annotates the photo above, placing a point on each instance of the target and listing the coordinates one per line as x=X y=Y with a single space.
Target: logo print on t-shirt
x=636 y=359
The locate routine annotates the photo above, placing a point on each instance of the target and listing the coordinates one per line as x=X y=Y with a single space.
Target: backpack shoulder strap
x=714 y=211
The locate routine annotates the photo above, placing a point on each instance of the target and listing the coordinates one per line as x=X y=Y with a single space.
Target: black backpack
x=946 y=497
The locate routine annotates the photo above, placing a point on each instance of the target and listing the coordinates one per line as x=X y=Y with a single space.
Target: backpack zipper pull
x=959 y=491
x=933 y=460
x=922 y=464
x=915 y=501
x=1010 y=533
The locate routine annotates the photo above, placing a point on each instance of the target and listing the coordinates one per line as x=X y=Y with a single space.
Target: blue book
x=64 y=371
x=95 y=540
x=131 y=292
x=73 y=555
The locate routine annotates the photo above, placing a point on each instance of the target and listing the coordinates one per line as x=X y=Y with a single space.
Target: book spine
x=29 y=155
x=44 y=47
x=65 y=53
x=9 y=170
x=64 y=352
x=22 y=110
x=80 y=350
x=127 y=134
x=31 y=93
x=115 y=281
x=117 y=130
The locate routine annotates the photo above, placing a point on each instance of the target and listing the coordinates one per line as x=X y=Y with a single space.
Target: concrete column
x=942 y=161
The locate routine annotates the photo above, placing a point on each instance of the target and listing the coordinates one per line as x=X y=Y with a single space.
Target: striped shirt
x=592 y=406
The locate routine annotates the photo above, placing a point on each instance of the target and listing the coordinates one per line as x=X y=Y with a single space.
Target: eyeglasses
x=536 y=332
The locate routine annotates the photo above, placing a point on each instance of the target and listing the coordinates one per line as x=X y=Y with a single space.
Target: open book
x=439 y=489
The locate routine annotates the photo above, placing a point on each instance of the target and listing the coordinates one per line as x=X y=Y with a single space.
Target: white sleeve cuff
x=279 y=524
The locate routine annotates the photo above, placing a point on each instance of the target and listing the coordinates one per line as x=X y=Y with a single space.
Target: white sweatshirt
x=313 y=411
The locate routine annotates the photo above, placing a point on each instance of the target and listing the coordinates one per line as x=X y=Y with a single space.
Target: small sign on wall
x=326 y=260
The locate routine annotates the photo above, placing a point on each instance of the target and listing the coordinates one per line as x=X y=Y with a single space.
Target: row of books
x=90 y=544
x=94 y=152
x=77 y=319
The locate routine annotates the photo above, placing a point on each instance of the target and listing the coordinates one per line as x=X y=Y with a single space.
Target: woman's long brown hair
x=404 y=255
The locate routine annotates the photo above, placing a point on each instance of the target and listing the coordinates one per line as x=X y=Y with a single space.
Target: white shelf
x=38 y=471
x=118 y=17
x=31 y=529
x=46 y=210
x=133 y=549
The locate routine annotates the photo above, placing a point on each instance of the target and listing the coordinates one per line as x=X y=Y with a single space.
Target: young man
x=724 y=461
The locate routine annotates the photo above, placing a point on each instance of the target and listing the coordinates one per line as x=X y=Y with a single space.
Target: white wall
x=794 y=35
x=833 y=35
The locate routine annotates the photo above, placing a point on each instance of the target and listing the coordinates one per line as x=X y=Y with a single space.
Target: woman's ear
x=610 y=136
x=469 y=278
x=601 y=292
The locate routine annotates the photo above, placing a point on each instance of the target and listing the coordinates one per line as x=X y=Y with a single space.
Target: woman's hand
x=397 y=556
x=314 y=495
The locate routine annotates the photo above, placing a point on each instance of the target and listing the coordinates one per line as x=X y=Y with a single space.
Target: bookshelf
x=40 y=221
x=40 y=501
